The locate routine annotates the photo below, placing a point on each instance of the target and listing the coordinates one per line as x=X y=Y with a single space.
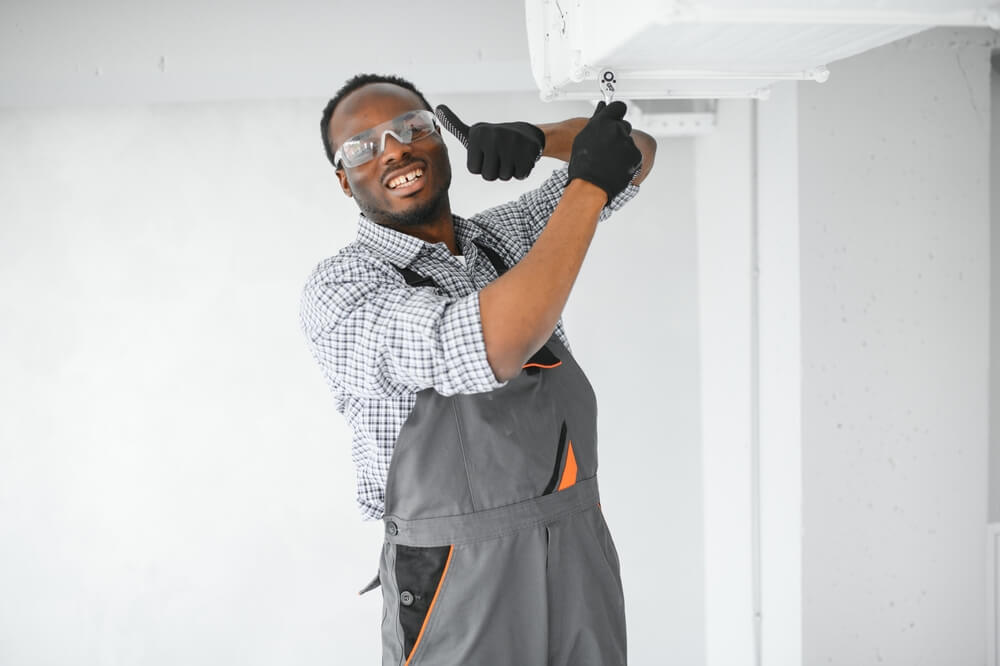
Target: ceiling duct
x=661 y=49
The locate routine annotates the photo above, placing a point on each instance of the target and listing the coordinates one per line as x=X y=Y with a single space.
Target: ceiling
x=123 y=52
x=138 y=51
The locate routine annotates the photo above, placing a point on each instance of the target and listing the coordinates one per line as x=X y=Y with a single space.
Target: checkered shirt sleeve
x=376 y=337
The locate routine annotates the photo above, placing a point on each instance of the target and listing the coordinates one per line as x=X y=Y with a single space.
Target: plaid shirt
x=379 y=341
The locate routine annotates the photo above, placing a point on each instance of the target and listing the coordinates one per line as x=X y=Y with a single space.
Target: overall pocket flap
x=543 y=358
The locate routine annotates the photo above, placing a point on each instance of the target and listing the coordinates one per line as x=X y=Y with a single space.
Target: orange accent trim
x=569 y=471
x=430 y=609
x=539 y=365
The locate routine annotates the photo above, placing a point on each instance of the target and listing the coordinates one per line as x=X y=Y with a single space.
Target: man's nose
x=393 y=148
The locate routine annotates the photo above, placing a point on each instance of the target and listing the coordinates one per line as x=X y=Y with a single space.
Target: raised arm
x=520 y=309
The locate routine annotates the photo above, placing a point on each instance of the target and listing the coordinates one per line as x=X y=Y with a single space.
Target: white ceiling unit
x=662 y=49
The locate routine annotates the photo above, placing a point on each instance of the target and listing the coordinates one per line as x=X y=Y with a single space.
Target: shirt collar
x=402 y=249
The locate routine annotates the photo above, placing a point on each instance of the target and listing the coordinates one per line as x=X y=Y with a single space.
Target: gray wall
x=176 y=486
x=894 y=159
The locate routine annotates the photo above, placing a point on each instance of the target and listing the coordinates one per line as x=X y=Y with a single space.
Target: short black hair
x=349 y=87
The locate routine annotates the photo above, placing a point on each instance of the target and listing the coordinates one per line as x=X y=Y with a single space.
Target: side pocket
x=609 y=544
x=420 y=573
x=602 y=538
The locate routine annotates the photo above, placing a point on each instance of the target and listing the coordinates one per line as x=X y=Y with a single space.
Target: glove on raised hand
x=496 y=150
x=603 y=152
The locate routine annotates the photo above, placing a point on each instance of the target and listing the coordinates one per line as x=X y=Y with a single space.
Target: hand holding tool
x=603 y=152
x=496 y=150
x=607 y=84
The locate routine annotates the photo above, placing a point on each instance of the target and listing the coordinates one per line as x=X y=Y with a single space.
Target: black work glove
x=603 y=151
x=496 y=150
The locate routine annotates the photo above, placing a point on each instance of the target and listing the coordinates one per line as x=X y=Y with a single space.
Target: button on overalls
x=496 y=551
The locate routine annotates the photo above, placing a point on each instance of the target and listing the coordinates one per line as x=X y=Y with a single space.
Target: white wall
x=895 y=239
x=994 y=185
x=724 y=199
x=778 y=367
x=993 y=542
x=175 y=483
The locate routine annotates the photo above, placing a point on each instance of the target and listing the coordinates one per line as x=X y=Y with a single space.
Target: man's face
x=415 y=204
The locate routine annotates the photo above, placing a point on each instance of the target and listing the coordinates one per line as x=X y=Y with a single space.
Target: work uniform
x=496 y=551
x=487 y=489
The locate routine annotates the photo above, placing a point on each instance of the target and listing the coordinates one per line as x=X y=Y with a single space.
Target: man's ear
x=344 y=185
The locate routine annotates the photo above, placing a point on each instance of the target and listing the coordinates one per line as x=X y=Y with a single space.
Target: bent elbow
x=505 y=367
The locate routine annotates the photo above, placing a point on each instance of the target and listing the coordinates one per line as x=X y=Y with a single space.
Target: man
x=441 y=339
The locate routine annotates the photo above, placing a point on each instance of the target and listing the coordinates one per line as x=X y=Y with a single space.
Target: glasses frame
x=382 y=129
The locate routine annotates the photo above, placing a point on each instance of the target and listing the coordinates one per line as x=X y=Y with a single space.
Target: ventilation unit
x=660 y=49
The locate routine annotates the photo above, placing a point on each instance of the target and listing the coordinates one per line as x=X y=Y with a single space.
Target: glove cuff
x=541 y=138
x=610 y=189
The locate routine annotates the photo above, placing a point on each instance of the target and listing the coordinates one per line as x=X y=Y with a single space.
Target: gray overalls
x=496 y=552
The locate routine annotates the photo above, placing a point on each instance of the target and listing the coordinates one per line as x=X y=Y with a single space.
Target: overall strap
x=495 y=259
x=415 y=279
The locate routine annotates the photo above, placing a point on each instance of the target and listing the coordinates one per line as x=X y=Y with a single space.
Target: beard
x=413 y=217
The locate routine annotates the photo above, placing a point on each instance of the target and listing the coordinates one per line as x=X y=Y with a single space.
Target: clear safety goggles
x=407 y=128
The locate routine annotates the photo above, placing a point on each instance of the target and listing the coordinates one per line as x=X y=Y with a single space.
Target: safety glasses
x=407 y=128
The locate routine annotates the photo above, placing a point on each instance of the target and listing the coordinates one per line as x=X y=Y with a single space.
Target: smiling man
x=474 y=428
x=410 y=192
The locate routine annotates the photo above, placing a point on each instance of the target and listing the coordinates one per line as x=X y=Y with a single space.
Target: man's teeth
x=406 y=178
